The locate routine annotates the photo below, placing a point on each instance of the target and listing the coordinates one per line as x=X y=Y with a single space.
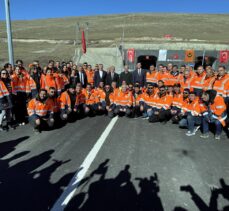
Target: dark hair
x=43 y=90
x=19 y=60
x=50 y=61
x=7 y=65
x=222 y=66
x=161 y=81
x=175 y=66
x=176 y=85
x=52 y=88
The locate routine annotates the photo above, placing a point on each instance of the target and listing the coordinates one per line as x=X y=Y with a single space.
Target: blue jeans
x=205 y=125
x=190 y=122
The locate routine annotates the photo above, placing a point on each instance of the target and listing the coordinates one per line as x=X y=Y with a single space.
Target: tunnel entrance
x=147 y=61
x=208 y=60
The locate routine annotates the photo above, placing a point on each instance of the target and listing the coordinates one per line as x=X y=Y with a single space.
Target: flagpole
x=9 y=32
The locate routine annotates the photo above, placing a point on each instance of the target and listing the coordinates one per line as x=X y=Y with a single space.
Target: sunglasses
x=185 y=93
x=3 y=73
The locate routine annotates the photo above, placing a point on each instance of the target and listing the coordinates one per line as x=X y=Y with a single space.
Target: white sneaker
x=189 y=133
x=217 y=137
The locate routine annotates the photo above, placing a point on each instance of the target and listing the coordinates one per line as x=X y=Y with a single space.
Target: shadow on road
x=215 y=193
x=117 y=194
x=22 y=187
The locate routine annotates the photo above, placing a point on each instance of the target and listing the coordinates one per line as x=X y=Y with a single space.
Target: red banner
x=131 y=55
x=224 y=56
x=84 y=48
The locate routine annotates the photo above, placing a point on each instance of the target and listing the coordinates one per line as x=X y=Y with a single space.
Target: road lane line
x=79 y=175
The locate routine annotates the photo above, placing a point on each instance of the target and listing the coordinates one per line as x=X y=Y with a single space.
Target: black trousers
x=163 y=116
x=20 y=107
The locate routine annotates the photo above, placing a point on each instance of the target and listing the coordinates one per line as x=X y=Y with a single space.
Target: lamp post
x=9 y=32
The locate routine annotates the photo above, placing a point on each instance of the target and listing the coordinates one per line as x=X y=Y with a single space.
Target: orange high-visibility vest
x=208 y=83
x=148 y=99
x=177 y=100
x=192 y=107
x=65 y=100
x=48 y=81
x=20 y=84
x=80 y=98
x=90 y=97
x=163 y=102
x=218 y=109
x=152 y=77
x=221 y=85
x=90 y=76
x=123 y=99
x=198 y=81
x=41 y=109
x=186 y=84
x=3 y=90
x=172 y=79
x=100 y=94
x=163 y=77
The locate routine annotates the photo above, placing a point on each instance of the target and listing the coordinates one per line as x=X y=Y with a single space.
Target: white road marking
x=79 y=175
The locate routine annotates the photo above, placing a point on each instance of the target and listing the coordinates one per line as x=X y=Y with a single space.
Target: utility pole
x=9 y=32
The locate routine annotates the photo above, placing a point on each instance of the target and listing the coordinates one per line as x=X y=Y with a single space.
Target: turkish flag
x=224 y=56
x=131 y=55
x=84 y=48
x=189 y=56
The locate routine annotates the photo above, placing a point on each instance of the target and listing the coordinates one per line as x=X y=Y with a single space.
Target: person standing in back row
x=139 y=76
x=99 y=76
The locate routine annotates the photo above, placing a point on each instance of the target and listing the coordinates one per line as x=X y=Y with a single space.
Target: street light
x=9 y=32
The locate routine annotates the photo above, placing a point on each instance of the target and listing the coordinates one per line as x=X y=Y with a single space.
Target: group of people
x=62 y=92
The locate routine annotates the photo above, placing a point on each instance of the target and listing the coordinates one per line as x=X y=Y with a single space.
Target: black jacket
x=97 y=78
x=127 y=77
x=109 y=80
x=141 y=79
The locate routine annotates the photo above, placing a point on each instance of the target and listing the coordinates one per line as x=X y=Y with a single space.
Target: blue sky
x=36 y=9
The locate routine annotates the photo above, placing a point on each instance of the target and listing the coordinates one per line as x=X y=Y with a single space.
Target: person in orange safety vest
x=40 y=110
x=213 y=109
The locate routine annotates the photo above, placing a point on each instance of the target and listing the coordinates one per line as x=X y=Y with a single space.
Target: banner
x=131 y=55
x=84 y=48
x=162 y=55
x=189 y=56
x=224 y=56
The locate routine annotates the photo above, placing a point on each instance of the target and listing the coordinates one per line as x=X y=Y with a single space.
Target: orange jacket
x=56 y=104
x=177 y=100
x=186 y=84
x=65 y=100
x=36 y=107
x=192 y=107
x=172 y=79
x=48 y=81
x=221 y=85
x=198 y=81
x=22 y=83
x=90 y=77
x=152 y=77
x=100 y=94
x=123 y=98
x=80 y=98
x=148 y=99
x=163 y=102
x=136 y=99
x=3 y=90
x=163 y=77
x=208 y=83
x=90 y=97
x=218 y=108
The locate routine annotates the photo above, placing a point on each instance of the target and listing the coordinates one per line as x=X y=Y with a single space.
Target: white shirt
x=81 y=78
x=101 y=73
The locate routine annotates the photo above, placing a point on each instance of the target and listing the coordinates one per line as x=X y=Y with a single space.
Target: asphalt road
x=141 y=166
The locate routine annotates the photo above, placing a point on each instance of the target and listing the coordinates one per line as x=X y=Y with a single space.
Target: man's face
x=52 y=92
x=19 y=64
x=3 y=74
x=71 y=90
x=182 y=69
x=200 y=70
x=170 y=89
x=192 y=97
x=160 y=67
x=78 y=89
x=170 y=66
x=57 y=64
x=101 y=84
x=137 y=89
x=205 y=97
x=50 y=65
x=186 y=74
x=124 y=88
x=162 y=91
x=114 y=85
x=152 y=68
x=9 y=68
x=42 y=95
x=160 y=84
x=185 y=94
x=74 y=67
x=80 y=68
x=112 y=69
x=88 y=88
x=221 y=71
x=139 y=65
x=177 y=89
x=107 y=88
x=126 y=68
x=174 y=69
x=89 y=67
x=130 y=87
x=49 y=72
x=100 y=66
x=149 y=89
x=209 y=72
x=18 y=70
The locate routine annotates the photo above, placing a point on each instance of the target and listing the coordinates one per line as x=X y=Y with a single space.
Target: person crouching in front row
x=40 y=110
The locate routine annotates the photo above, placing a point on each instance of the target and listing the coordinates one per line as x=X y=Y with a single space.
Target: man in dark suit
x=112 y=76
x=81 y=76
x=100 y=75
x=139 y=75
x=126 y=76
